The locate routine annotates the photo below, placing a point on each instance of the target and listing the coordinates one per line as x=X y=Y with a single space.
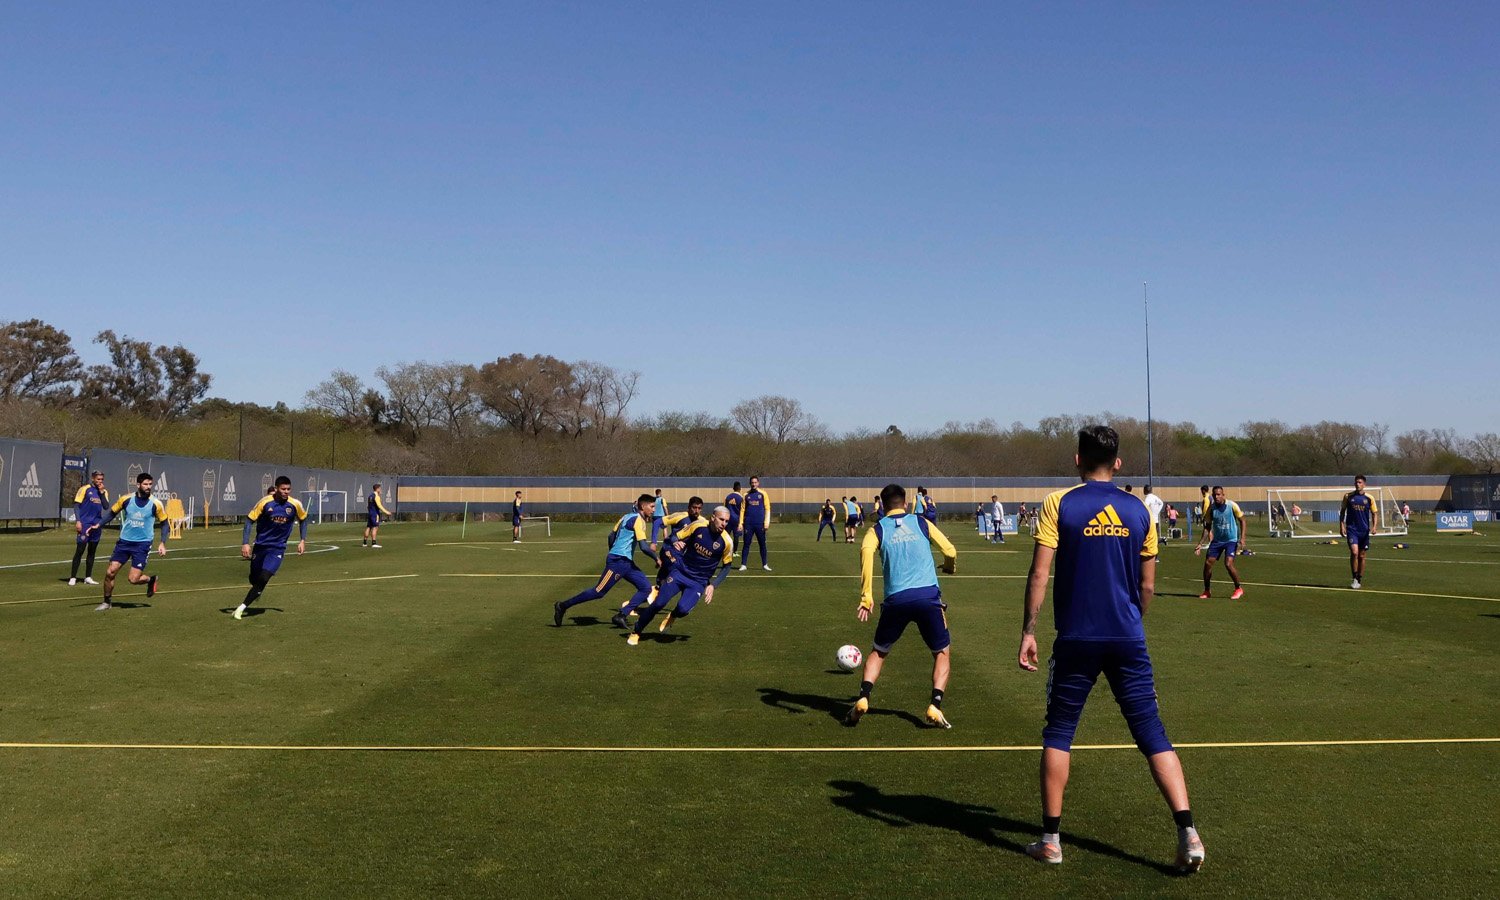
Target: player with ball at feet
x=904 y=542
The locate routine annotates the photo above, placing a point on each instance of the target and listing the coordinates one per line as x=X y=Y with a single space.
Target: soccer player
x=997 y=514
x=911 y=595
x=515 y=519
x=1203 y=507
x=851 y=520
x=702 y=555
x=141 y=513
x=272 y=518
x=879 y=510
x=756 y=523
x=1223 y=535
x=632 y=529
x=1104 y=545
x=374 y=509
x=919 y=505
x=1358 y=517
x=735 y=503
x=88 y=506
x=1154 y=506
x=825 y=518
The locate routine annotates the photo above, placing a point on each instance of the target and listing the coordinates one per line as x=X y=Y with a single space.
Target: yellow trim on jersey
x=642 y=529
x=1046 y=522
x=260 y=504
x=378 y=505
x=686 y=530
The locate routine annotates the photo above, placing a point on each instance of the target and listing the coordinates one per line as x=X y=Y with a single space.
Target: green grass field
x=286 y=790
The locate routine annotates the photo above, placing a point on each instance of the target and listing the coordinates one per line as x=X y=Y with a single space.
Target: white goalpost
x=1314 y=512
x=475 y=518
x=326 y=506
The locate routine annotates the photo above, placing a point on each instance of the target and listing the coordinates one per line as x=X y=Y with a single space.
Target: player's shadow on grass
x=587 y=620
x=660 y=638
x=978 y=823
x=1184 y=595
x=252 y=611
x=125 y=604
x=836 y=707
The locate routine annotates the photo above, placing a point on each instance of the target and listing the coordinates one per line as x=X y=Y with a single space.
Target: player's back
x=1101 y=535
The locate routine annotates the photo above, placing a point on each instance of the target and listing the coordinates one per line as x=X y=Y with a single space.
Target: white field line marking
x=223 y=587
x=173 y=555
x=461 y=748
x=482 y=543
x=1319 y=587
x=1341 y=554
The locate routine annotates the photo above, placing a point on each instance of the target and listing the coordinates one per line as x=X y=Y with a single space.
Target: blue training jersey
x=274 y=519
x=1356 y=512
x=1101 y=535
x=1224 y=522
x=735 y=503
x=631 y=528
x=703 y=553
x=140 y=518
x=757 y=507
x=89 y=504
x=904 y=543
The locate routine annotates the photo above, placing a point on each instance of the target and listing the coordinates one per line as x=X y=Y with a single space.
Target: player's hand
x=94 y=527
x=863 y=613
x=1027 y=655
x=708 y=594
x=244 y=551
x=78 y=527
x=1197 y=550
x=679 y=546
x=301 y=547
x=161 y=549
x=950 y=566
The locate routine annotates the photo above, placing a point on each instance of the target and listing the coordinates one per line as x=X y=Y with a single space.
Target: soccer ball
x=849 y=657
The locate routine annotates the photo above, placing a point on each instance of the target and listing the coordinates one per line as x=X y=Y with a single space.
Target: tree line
x=540 y=415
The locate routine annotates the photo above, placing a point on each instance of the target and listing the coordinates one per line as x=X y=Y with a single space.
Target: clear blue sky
x=779 y=196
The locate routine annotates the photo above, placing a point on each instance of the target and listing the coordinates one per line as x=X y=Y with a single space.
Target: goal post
x=1314 y=512
x=478 y=521
x=326 y=506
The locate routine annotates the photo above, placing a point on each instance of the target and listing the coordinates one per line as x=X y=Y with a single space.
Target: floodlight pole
x=1150 y=425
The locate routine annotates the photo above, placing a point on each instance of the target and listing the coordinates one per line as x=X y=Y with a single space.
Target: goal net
x=326 y=506
x=479 y=525
x=1314 y=512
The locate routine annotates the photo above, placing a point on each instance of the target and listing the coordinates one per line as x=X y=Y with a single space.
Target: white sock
x=1052 y=838
x=1187 y=833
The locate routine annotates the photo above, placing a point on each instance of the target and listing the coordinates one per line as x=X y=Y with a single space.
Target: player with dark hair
x=515 y=519
x=735 y=503
x=851 y=519
x=756 y=523
x=1358 y=517
x=374 y=509
x=142 y=514
x=88 y=511
x=702 y=555
x=272 y=517
x=1223 y=535
x=904 y=542
x=632 y=529
x=825 y=518
x=1104 y=545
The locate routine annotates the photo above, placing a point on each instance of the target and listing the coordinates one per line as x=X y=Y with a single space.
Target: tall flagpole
x=1150 y=425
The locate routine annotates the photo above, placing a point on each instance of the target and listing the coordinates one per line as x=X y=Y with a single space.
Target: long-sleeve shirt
x=905 y=545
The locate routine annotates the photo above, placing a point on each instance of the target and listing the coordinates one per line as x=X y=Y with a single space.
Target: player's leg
x=88 y=565
x=1210 y=556
x=1071 y=672
x=1229 y=567
x=110 y=571
x=645 y=592
x=375 y=535
x=606 y=580
x=691 y=594
x=761 y=536
x=932 y=622
x=78 y=549
x=670 y=589
x=893 y=620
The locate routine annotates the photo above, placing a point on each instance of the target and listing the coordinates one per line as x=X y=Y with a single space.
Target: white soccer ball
x=849 y=657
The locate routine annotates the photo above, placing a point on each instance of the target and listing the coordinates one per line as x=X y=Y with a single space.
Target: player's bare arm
x=1036 y=595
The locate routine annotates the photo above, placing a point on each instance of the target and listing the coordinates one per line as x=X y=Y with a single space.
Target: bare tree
x=776 y=419
x=341 y=396
x=1484 y=451
x=37 y=362
x=159 y=383
x=411 y=394
x=453 y=399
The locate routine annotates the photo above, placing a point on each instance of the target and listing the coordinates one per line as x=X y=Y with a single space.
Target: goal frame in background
x=1389 y=523
x=322 y=503
x=484 y=517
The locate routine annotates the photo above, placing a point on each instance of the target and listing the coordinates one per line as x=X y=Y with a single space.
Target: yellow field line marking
x=223 y=587
x=1319 y=587
x=756 y=577
x=475 y=748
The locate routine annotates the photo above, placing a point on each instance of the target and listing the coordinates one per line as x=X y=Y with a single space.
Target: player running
x=632 y=529
x=88 y=509
x=374 y=509
x=702 y=556
x=141 y=513
x=904 y=542
x=272 y=519
x=1223 y=535
x=1104 y=544
x=1358 y=517
x=756 y=523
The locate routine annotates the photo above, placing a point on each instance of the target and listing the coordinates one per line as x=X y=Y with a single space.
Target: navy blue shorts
x=930 y=619
x=1071 y=673
x=134 y=552
x=89 y=537
x=266 y=559
x=515 y=521
x=1227 y=548
x=691 y=592
x=372 y=520
x=851 y=522
x=1359 y=540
